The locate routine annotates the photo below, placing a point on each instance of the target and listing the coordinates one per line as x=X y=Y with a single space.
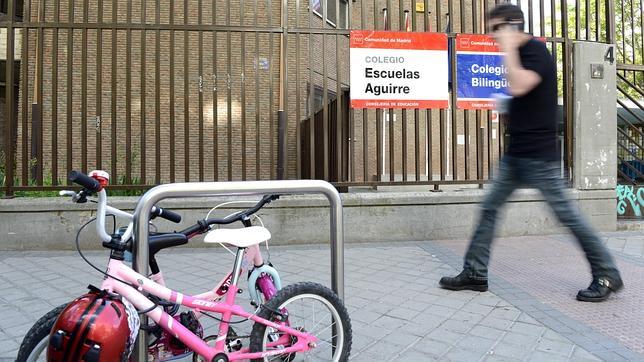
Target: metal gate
x=165 y=91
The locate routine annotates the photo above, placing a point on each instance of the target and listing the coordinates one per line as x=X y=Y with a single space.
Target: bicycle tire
x=37 y=333
x=289 y=293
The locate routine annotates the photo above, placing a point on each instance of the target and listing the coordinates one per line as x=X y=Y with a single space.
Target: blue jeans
x=545 y=176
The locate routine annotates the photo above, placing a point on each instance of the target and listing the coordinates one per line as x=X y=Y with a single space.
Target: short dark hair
x=508 y=12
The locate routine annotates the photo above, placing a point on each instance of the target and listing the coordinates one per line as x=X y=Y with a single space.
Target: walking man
x=531 y=159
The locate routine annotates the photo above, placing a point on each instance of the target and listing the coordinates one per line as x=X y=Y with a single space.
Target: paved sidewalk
x=397 y=310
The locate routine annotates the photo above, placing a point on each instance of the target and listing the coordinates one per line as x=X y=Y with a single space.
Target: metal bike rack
x=142 y=218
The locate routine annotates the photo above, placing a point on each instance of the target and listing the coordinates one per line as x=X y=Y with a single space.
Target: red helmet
x=96 y=327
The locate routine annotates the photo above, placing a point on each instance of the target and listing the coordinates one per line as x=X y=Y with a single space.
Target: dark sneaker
x=464 y=281
x=599 y=290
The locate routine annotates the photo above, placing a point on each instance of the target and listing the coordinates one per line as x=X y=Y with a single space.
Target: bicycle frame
x=254 y=256
x=227 y=309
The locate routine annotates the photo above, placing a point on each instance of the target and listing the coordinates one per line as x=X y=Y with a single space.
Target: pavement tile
x=431 y=347
x=412 y=355
x=486 y=332
x=528 y=329
x=555 y=347
x=463 y=355
x=389 y=322
x=506 y=350
x=475 y=343
x=543 y=356
x=447 y=336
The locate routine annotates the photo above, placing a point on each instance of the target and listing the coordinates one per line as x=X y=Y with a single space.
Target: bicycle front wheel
x=311 y=308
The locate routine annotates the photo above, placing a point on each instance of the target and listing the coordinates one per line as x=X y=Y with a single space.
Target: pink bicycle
x=301 y=321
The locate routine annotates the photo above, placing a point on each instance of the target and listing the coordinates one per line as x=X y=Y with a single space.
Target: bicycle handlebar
x=204 y=225
x=267 y=199
x=82 y=179
x=165 y=214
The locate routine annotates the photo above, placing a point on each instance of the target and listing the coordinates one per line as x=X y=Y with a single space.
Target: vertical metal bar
x=242 y=50
x=312 y=109
x=428 y=112
x=171 y=94
x=402 y=26
x=430 y=140
x=99 y=86
x=84 y=91
x=553 y=18
x=530 y=19
x=143 y=95
x=340 y=121
x=229 y=101
x=567 y=84
x=633 y=39
x=186 y=96
x=70 y=50
x=466 y=134
x=462 y=28
x=201 y=81
x=9 y=103
x=215 y=116
x=501 y=134
x=597 y=22
x=54 y=97
x=128 y=97
x=416 y=111
x=542 y=19
x=113 y=148
x=39 y=96
x=587 y=19
x=443 y=145
x=282 y=121
x=577 y=20
x=270 y=89
x=380 y=120
x=157 y=96
x=453 y=110
x=479 y=147
x=24 y=68
x=439 y=23
x=475 y=16
x=325 y=108
x=623 y=30
x=257 y=104
x=489 y=147
x=414 y=20
x=392 y=150
x=298 y=111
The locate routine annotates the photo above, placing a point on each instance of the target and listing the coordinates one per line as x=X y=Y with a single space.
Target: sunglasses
x=498 y=26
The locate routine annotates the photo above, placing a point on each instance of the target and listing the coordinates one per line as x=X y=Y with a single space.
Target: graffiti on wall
x=629 y=200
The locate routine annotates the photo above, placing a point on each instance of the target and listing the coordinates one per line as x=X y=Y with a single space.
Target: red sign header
x=398 y=40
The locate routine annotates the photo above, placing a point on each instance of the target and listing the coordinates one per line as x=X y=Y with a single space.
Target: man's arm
x=522 y=80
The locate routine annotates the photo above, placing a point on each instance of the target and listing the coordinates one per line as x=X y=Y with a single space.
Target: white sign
x=398 y=70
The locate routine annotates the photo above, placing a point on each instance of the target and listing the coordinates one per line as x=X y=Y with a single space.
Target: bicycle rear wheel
x=34 y=345
x=312 y=308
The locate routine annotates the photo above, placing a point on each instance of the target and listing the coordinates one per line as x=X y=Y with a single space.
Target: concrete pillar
x=595 y=117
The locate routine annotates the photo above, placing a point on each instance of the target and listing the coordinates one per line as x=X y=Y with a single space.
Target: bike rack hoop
x=141 y=220
x=191 y=189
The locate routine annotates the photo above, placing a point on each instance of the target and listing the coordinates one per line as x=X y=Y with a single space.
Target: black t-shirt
x=532 y=121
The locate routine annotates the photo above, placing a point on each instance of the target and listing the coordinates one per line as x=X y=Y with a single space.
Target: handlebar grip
x=166 y=214
x=82 y=179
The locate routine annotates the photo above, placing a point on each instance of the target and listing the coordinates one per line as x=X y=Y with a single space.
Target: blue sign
x=480 y=75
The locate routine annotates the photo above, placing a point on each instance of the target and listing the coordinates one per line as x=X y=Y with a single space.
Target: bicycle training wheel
x=34 y=346
x=311 y=308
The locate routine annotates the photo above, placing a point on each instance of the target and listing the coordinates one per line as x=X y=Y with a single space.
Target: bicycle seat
x=162 y=241
x=241 y=238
